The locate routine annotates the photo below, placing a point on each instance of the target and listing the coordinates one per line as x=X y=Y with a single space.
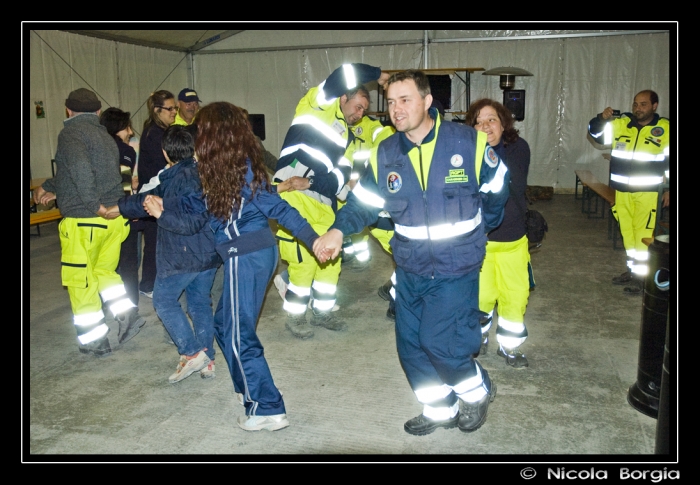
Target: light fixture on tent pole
x=507 y=75
x=513 y=99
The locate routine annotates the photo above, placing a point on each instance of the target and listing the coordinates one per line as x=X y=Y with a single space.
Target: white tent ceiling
x=177 y=40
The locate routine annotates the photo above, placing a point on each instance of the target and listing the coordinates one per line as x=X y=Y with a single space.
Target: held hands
x=383 y=78
x=43 y=197
x=153 y=205
x=328 y=246
x=292 y=184
x=111 y=212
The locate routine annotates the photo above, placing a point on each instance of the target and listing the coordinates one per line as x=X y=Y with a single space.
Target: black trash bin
x=644 y=394
x=663 y=429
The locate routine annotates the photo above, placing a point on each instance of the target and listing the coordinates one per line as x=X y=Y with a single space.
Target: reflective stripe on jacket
x=638 y=155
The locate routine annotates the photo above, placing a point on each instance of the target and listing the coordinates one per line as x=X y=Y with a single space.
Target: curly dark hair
x=224 y=142
x=510 y=134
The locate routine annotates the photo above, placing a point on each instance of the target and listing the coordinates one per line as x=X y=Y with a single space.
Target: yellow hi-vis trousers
x=89 y=258
x=504 y=279
x=306 y=274
x=636 y=214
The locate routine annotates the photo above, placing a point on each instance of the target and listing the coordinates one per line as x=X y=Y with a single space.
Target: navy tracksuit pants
x=245 y=282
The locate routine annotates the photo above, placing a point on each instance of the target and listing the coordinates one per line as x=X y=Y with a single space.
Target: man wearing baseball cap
x=188 y=105
x=87 y=185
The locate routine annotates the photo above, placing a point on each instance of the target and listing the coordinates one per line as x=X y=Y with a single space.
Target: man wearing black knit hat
x=87 y=184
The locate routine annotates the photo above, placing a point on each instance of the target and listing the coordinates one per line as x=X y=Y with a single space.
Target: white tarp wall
x=576 y=74
x=122 y=75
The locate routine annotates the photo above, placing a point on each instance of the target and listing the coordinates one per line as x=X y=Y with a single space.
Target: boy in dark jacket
x=186 y=258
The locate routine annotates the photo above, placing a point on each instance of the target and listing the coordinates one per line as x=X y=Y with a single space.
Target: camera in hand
x=616 y=113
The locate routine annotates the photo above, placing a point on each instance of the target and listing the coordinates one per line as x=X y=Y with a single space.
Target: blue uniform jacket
x=185 y=243
x=457 y=209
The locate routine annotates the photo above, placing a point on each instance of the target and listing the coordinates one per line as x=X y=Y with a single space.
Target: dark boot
x=473 y=415
x=391 y=311
x=98 y=348
x=635 y=287
x=623 y=279
x=422 y=425
x=485 y=321
x=327 y=320
x=514 y=357
x=298 y=325
x=130 y=323
x=384 y=290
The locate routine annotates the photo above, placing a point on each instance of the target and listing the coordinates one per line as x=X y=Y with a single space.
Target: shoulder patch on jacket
x=490 y=157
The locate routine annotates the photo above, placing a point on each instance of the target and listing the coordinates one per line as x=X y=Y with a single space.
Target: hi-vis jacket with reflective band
x=316 y=142
x=367 y=133
x=440 y=230
x=638 y=155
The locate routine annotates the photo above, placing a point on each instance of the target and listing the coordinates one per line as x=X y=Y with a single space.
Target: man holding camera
x=638 y=162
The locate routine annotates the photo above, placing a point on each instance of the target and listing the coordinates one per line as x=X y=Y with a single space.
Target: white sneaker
x=209 y=371
x=147 y=294
x=280 y=285
x=258 y=423
x=186 y=367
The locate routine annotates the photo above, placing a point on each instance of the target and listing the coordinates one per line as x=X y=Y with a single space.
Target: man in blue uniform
x=444 y=188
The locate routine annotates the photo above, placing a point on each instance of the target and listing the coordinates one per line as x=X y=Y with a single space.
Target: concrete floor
x=346 y=394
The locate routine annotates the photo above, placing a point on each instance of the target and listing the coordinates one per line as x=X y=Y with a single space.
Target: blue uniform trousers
x=246 y=279
x=437 y=329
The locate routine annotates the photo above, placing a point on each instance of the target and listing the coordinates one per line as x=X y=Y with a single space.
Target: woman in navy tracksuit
x=240 y=201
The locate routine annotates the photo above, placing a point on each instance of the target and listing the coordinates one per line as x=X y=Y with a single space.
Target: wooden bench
x=37 y=217
x=595 y=192
x=41 y=217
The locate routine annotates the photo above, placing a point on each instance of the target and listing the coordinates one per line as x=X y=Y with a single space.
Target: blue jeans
x=197 y=288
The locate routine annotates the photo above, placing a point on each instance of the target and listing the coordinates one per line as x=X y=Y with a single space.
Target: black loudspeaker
x=441 y=89
x=514 y=100
x=258 y=124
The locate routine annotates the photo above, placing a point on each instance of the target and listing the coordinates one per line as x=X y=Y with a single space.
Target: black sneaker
x=130 y=323
x=422 y=425
x=514 y=357
x=473 y=415
x=623 y=279
x=99 y=347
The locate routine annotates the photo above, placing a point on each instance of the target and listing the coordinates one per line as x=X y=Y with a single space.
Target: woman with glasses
x=162 y=109
x=505 y=274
